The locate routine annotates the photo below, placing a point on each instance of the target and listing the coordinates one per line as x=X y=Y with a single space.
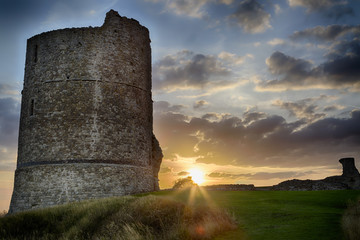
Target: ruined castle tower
x=349 y=169
x=86 y=116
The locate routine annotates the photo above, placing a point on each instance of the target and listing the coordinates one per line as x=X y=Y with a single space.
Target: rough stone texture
x=47 y=185
x=157 y=156
x=349 y=180
x=86 y=100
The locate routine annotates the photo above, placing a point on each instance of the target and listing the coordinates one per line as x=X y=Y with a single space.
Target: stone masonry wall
x=48 y=185
x=86 y=100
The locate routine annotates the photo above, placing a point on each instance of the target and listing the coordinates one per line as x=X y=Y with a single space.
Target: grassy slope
x=123 y=218
x=283 y=215
x=260 y=214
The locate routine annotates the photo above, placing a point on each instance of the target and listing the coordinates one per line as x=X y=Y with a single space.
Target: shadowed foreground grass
x=351 y=221
x=147 y=217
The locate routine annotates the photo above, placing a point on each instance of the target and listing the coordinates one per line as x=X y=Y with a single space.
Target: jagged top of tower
x=112 y=19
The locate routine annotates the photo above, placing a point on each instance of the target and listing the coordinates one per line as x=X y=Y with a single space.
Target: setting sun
x=197 y=175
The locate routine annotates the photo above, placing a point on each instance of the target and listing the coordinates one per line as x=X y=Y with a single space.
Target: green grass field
x=282 y=214
x=258 y=214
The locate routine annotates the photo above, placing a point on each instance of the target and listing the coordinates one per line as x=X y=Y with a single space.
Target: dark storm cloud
x=295 y=72
x=330 y=8
x=186 y=70
x=279 y=63
x=332 y=129
x=259 y=175
x=266 y=140
x=327 y=33
x=9 y=121
x=344 y=62
x=341 y=70
x=252 y=17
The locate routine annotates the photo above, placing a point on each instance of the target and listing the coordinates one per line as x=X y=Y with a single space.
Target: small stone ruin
x=350 y=179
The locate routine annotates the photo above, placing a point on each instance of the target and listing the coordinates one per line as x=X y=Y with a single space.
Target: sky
x=245 y=91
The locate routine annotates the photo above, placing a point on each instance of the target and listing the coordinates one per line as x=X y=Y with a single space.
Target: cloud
x=250 y=117
x=259 y=175
x=226 y=2
x=314 y=5
x=302 y=109
x=231 y=58
x=183 y=173
x=166 y=170
x=226 y=175
x=9 y=128
x=252 y=17
x=278 y=9
x=9 y=121
x=212 y=116
x=200 y=104
x=6 y=89
x=331 y=8
x=341 y=70
x=187 y=7
x=163 y=106
x=258 y=139
x=276 y=41
x=186 y=70
x=333 y=108
x=326 y=33
x=339 y=11
x=257 y=44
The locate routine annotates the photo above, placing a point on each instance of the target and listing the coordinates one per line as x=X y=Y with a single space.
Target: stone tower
x=86 y=116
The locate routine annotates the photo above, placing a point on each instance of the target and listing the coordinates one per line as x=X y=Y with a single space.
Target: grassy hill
x=190 y=214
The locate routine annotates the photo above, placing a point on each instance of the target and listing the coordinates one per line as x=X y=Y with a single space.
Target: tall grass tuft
x=3 y=213
x=351 y=221
x=123 y=218
x=153 y=217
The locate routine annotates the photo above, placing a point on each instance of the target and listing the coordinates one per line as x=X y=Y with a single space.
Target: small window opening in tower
x=36 y=53
x=32 y=106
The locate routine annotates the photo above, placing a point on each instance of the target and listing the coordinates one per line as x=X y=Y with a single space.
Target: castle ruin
x=350 y=179
x=86 y=116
